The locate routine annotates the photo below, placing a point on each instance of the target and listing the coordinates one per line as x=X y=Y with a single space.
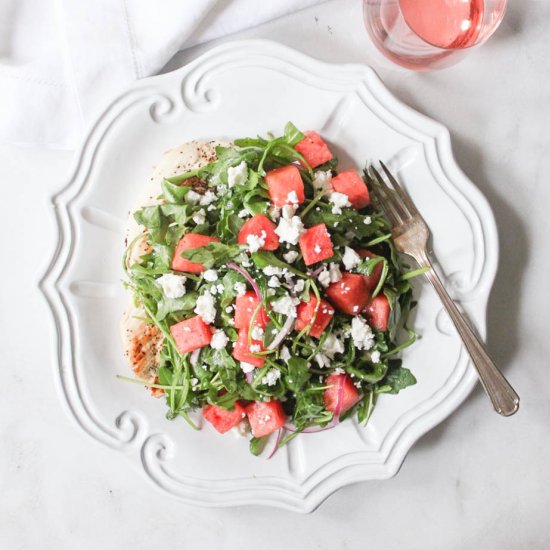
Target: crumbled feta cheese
x=271 y=377
x=274 y=282
x=199 y=217
x=255 y=348
x=208 y=198
x=194 y=382
x=255 y=242
x=285 y=353
x=299 y=286
x=192 y=197
x=288 y=210
x=271 y=292
x=350 y=258
x=213 y=290
x=247 y=367
x=321 y=180
x=362 y=335
x=219 y=340
x=285 y=305
x=257 y=333
x=211 y=207
x=324 y=277
x=289 y=230
x=322 y=360
x=243 y=213
x=228 y=309
x=237 y=175
x=172 y=285
x=205 y=308
x=330 y=275
x=292 y=198
x=220 y=288
x=317 y=249
x=271 y=270
x=332 y=345
x=339 y=201
x=375 y=356
x=367 y=220
x=290 y=256
x=210 y=275
x=355 y=309
x=244 y=259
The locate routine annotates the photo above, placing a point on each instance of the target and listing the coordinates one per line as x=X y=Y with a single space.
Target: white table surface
x=476 y=481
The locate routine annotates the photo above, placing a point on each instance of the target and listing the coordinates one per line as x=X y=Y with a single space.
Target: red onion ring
x=248 y=277
x=249 y=377
x=285 y=329
x=276 y=446
x=194 y=358
x=316 y=272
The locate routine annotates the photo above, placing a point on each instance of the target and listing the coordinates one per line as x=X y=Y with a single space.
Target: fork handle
x=503 y=397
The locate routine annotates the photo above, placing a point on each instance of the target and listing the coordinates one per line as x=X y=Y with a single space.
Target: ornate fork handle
x=503 y=397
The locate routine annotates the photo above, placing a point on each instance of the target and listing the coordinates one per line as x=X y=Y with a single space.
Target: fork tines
x=391 y=198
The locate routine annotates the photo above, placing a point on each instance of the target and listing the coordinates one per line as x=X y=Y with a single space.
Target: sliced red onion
x=249 y=377
x=194 y=359
x=285 y=329
x=276 y=446
x=316 y=272
x=247 y=276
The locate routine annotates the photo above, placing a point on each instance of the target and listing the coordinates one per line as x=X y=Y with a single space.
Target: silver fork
x=410 y=235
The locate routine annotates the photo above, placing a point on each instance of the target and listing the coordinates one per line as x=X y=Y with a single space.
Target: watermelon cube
x=265 y=417
x=260 y=226
x=349 y=396
x=245 y=306
x=188 y=242
x=315 y=244
x=373 y=279
x=305 y=313
x=314 y=149
x=378 y=312
x=191 y=334
x=350 y=294
x=242 y=351
x=222 y=419
x=351 y=184
x=285 y=185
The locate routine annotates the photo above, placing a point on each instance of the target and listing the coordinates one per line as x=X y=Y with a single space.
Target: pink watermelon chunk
x=305 y=313
x=260 y=226
x=222 y=419
x=350 y=395
x=372 y=279
x=191 y=334
x=315 y=244
x=265 y=417
x=188 y=242
x=245 y=306
x=314 y=149
x=378 y=312
x=350 y=294
x=285 y=184
x=351 y=184
x=242 y=351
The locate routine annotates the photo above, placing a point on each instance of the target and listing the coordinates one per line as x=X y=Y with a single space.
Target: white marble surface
x=475 y=481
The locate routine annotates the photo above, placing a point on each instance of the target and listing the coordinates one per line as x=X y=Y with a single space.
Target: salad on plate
x=266 y=291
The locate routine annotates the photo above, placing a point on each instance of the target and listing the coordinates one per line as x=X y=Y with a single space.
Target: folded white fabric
x=61 y=59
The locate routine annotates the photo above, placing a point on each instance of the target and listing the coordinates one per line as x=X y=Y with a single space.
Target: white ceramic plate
x=241 y=89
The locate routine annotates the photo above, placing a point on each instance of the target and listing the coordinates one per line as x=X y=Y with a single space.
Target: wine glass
x=430 y=34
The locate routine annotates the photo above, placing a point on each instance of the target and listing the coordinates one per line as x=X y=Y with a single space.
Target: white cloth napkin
x=61 y=59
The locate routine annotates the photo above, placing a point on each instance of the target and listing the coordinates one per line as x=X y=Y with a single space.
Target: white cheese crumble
x=274 y=213
x=257 y=333
x=322 y=360
x=362 y=335
x=285 y=353
x=339 y=201
x=239 y=288
x=317 y=249
x=289 y=230
x=199 y=217
x=243 y=213
x=219 y=340
x=274 y=282
x=172 y=285
x=192 y=197
x=285 y=305
x=247 y=367
x=351 y=259
x=322 y=180
x=208 y=198
x=375 y=356
x=292 y=198
x=271 y=377
x=299 y=286
x=255 y=242
x=271 y=270
x=288 y=210
x=205 y=308
x=210 y=275
x=290 y=256
x=237 y=175
x=255 y=348
x=244 y=259
x=330 y=275
x=367 y=220
x=332 y=345
x=228 y=309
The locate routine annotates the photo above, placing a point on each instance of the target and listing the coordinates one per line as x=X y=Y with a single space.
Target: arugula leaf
x=398 y=379
x=170 y=305
x=212 y=254
x=257 y=445
x=298 y=373
x=172 y=192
